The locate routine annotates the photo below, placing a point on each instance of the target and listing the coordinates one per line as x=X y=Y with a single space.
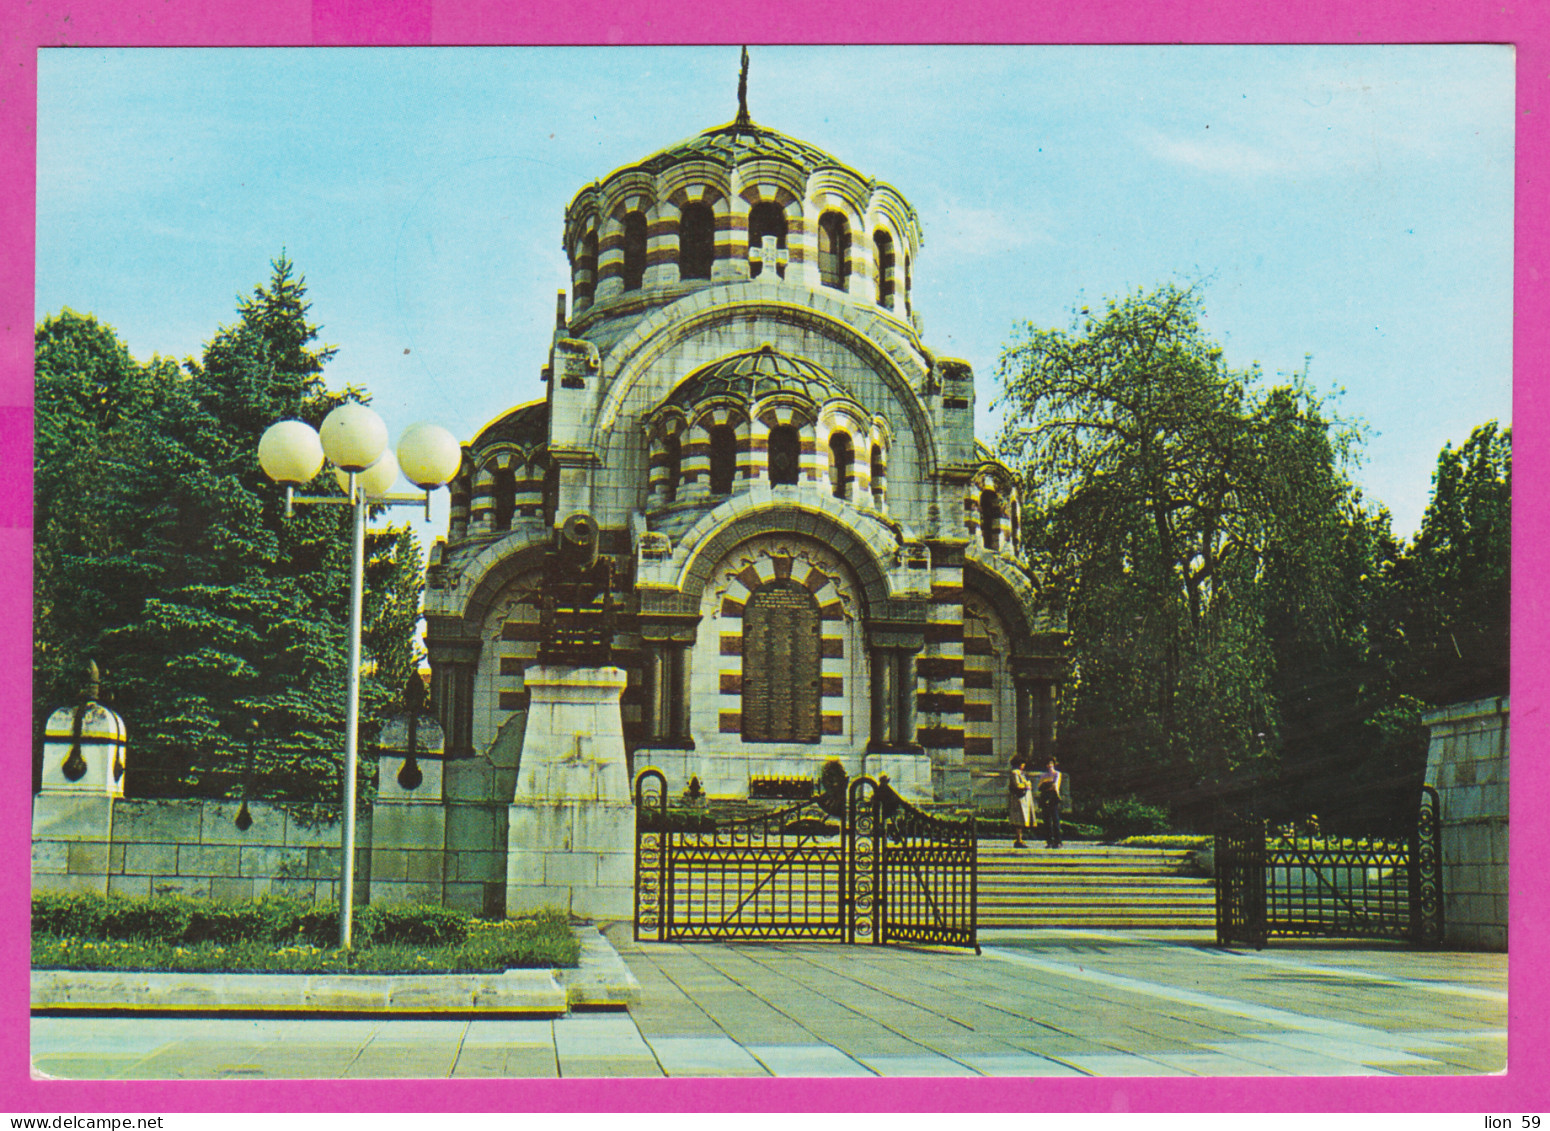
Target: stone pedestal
x=571 y=836
x=72 y=818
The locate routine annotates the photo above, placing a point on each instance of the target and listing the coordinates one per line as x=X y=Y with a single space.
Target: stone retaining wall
x=1467 y=764
x=165 y=847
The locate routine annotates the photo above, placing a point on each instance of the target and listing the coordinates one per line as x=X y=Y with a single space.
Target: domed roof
x=737 y=142
x=526 y=426
x=754 y=374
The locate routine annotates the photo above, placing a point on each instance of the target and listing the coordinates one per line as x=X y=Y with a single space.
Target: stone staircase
x=1085 y=884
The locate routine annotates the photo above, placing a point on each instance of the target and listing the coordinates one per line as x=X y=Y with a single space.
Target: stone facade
x=1467 y=764
x=814 y=557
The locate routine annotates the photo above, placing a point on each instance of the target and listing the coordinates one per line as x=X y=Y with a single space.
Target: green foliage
x=164 y=554
x=1166 y=840
x=1124 y=817
x=541 y=940
x=1456 y=578
x=1163 y=493
x=183 y=921
x=1245 y=628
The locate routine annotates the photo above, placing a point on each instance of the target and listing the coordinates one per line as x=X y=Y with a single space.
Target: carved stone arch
x=803 y=410
x=630 y=192
x=505 y=565
x=720 y=410
x=689 y=184
x=1010 y=600
x=847 y=544
x=633 y=358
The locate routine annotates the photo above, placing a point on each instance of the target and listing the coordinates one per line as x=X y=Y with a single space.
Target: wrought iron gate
x=1306 y=885
x=862 y=867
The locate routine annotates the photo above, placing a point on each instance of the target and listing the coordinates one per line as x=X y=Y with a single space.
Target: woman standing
x=1050 y=782
x=1020 y=800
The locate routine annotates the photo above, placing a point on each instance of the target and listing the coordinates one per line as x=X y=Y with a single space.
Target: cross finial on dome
x=742 y=93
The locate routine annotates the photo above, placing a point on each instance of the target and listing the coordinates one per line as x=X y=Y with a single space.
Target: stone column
x=904 y=681
x=884 y=699
x=1025 y=722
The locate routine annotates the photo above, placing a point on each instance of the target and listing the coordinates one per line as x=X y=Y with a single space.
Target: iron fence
x=863 y=866
x=1299 y=883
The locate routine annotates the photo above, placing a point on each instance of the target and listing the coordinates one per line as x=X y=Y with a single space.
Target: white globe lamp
x=429 y=455
x=290 y=452
x=376 y=481
x=353 y=437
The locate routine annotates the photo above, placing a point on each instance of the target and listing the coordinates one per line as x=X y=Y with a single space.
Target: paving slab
x=806 y=1060
x=705 y=1056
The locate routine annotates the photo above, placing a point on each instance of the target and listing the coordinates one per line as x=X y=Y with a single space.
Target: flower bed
x=275 y=935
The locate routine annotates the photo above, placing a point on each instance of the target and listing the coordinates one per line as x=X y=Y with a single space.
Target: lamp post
x=354 y=439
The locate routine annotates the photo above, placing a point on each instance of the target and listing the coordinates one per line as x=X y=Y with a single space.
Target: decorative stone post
x=409 y=823
x=572 y=825
x=83 y=776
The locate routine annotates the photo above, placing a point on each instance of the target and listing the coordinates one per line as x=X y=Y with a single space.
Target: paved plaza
x=1036 y=1003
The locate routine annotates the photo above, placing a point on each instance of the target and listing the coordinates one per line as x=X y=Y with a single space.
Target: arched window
x=842 y=457
x=634 y=250
x=785 y=454
x=833 y=250
x=906 y=285
x=505 y=489
x=885 y=268
x=782 y=664
x=879 y=475
x=766 y=219
x=723 y=459
x=990 y=519
x=696 y=241
x=672 y=452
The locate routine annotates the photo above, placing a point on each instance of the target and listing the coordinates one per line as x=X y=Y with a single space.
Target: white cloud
x=1216 y=155
x=961 y=230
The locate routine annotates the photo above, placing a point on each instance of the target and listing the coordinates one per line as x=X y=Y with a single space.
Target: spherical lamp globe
x=376 y=481
x=353 y=437
x=290 y=452
x=429 y=455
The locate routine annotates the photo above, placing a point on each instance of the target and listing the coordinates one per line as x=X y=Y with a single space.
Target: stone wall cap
x=1456 y=712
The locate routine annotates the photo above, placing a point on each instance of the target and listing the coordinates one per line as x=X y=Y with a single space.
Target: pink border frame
x=448 y=22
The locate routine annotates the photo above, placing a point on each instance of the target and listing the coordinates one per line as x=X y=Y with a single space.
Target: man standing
x=1050 y=782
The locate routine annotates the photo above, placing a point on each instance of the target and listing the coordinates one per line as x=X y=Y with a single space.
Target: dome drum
x=635 y=230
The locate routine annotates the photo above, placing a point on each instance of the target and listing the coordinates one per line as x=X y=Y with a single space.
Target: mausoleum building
x=813 y=558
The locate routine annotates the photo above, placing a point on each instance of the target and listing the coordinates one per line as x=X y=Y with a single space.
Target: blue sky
x=1349 y=203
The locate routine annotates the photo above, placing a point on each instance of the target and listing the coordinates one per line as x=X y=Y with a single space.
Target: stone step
x=1083 y=884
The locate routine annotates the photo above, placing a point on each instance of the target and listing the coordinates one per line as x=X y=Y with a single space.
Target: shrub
x=87 y=931
x=676 y=820
x=833 y=780
x=421 y=925
x=267 y=919
x=73 y=913
x=162 y=917
x=1123 y=817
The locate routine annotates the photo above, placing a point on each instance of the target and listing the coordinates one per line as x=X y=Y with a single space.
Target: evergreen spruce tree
x=233 y=612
